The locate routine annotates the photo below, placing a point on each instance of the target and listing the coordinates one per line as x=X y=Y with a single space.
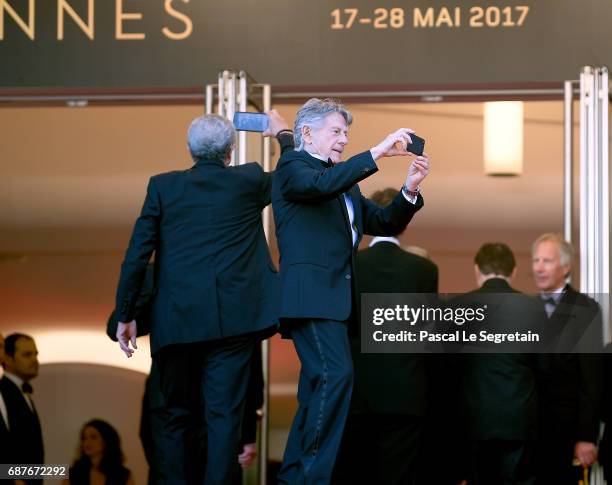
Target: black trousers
x=324 y=396
x=379 y=448
x=204 y=386
x=555 y=457
x=503 y=462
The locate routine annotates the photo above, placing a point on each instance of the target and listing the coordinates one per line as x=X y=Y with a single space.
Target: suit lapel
x=347 y=221
x=317 y=163
x=564 y=307
x=568 y=327
x=19 y=396
x=355 y=199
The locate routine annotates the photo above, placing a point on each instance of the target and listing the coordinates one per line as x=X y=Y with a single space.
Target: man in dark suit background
x=572 y=382
x=320 y=217
x=499 y=389
x=216 y=293
x=382 y=438
x=25 y=444
x=153 y=416
x=4 y=436
x=605 y=446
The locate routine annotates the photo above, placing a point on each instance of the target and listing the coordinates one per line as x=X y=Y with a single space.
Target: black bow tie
x=327 y=164
x=27 y=388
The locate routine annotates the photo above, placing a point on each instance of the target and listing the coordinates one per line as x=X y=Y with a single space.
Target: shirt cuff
x=410 y=198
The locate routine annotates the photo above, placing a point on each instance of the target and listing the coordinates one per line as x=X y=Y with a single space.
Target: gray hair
x=312 y=114
x=210 y=137
x=566 y=251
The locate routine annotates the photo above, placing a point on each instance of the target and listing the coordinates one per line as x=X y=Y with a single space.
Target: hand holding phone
x=416 y=147
x=276 y=123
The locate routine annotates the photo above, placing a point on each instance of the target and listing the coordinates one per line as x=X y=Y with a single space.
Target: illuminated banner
x=139 y=44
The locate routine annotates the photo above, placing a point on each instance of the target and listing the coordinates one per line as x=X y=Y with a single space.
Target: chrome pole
x=583 y=182
x=603 y=95
x=210 y=95
x=568 y=120
x=242 y=106
x=264 y=446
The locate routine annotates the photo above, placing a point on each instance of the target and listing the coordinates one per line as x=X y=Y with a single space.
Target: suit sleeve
x=285 y=140
x=389 y=220
x=432 y=287
x=590 y=394
x=591 y=387
x=299 y=181
x=142 y=244
x=266 y=188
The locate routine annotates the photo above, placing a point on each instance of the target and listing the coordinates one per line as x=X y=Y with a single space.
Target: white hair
x=210 y=137
x=566 y=251
x=312 y=114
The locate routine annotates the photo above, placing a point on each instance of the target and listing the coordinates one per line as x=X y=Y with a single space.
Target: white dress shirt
x=3 y=410
x=391 y=239
x=556 y=295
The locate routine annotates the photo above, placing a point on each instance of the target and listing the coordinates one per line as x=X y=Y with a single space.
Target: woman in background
x=100 y=460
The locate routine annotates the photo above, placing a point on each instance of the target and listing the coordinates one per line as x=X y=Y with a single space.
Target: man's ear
x=9 y=362
x=567 y=270
x=306 y=134
x=228 y=157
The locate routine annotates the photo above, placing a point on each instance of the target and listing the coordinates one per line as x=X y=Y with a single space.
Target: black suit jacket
x=500 y=389
x=213 y=273
x=605 y=448
x=571 y=384
x=313 y=232
x=391 y=383
x=142 y=308
x=5 y=444
x=25 y=436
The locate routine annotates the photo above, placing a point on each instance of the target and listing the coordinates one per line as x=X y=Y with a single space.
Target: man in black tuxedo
x=572 y=382
x=605 y=446
x=4 y=436
x=25 y=434
x=383 y=433
x=216 y=293
x=153 y=416
x=320 y=218
x=499 y=389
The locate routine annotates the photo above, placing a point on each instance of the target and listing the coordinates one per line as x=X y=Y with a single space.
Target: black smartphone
x=244 y=121
x=417 y=146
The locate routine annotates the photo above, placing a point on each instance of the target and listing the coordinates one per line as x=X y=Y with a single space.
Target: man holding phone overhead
x=215 y=296
x=320 y=218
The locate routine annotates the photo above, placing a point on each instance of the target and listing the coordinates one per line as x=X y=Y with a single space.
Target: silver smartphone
x=244 y=121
